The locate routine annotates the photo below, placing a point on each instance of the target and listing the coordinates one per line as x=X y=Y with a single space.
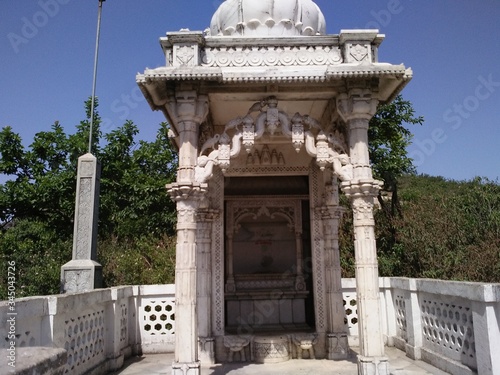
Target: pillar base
x=81 y=276
x=193 y=368
x=338 y=346
x=206 y=351
x=413 y=352
x=373 y=365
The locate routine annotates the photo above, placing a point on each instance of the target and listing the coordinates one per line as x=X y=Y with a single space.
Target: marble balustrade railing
x=452 y=325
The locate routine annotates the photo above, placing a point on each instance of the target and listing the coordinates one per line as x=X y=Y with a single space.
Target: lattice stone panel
x=84 y=343
x=351 y=313
x=158 y=316
x=400 y=311
x=448 y=328
x=123 y=324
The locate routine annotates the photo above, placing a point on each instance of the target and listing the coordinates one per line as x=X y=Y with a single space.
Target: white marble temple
x=266 y=109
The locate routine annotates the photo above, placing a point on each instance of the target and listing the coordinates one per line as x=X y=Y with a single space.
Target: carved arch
x=328 y=149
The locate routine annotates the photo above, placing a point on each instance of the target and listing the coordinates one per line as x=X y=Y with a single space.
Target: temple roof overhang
x=305 y=73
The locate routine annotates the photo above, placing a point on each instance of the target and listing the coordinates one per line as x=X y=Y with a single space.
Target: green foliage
x=38 y=252
x=37 y=202
x=133 y=178
x=388 y=139
x=144 y=260
x=447 y=230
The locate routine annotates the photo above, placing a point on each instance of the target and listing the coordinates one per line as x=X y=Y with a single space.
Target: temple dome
x=268 y=18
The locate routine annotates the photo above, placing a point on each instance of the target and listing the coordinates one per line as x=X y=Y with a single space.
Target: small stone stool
x=305 y=341
x=236 y=344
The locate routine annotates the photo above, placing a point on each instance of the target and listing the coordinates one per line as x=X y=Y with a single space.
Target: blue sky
x=47 y=54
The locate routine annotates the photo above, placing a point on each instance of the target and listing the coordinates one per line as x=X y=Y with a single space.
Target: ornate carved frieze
x=265 y=157
x=261 y=56
x=328 y=149
x=288 y=209
x=268 y=169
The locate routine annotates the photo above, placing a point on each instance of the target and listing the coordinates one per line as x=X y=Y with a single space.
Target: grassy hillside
x=440 y=229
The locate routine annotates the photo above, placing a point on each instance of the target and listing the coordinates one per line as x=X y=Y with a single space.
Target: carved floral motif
x=77 y=281
x=271 y=56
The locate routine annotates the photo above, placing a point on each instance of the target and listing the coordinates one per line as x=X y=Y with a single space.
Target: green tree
x=388 y=140
x=37 y=202
x=133 y=178
x=38 y=252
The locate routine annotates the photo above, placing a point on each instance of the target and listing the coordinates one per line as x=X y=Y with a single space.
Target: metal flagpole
x=83 y=273
x=95 y=72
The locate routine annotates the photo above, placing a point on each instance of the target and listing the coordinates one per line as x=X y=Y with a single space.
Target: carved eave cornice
x=201 y=73
x=392 y=78
x=270 y=74
x=154 y=83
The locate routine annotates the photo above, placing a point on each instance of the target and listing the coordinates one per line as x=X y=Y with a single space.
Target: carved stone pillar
x=357 y=110
x=337 y=344
x=188 y=111
x=83 y=273
x=204 y=285
x=186 y=332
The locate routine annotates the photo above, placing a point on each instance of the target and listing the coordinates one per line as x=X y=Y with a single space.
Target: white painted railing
x=451 y=325
x=97 y=329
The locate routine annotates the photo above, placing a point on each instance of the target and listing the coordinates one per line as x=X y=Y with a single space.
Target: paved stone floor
x=156 y=364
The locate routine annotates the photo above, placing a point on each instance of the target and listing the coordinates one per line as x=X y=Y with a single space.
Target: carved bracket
x=328 y=149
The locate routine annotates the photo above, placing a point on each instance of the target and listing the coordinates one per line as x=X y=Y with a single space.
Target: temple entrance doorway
x=268 y=266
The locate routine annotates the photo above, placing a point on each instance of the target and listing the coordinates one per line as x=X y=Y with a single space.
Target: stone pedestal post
x=188 y=111
x=83 y=273
x=357 y=109
x=204 y=242
x=337 y=344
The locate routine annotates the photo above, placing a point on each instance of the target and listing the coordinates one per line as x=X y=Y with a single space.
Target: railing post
x=414 y=322
x=387 y=310
x=134 y=336
x=112 y=342
x=486 y=318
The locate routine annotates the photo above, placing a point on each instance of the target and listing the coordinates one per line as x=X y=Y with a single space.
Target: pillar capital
x=361 y=188
x=187 y=109
x=358 y=103
x=207 y=215
x=331 y=212
x=186 y=192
